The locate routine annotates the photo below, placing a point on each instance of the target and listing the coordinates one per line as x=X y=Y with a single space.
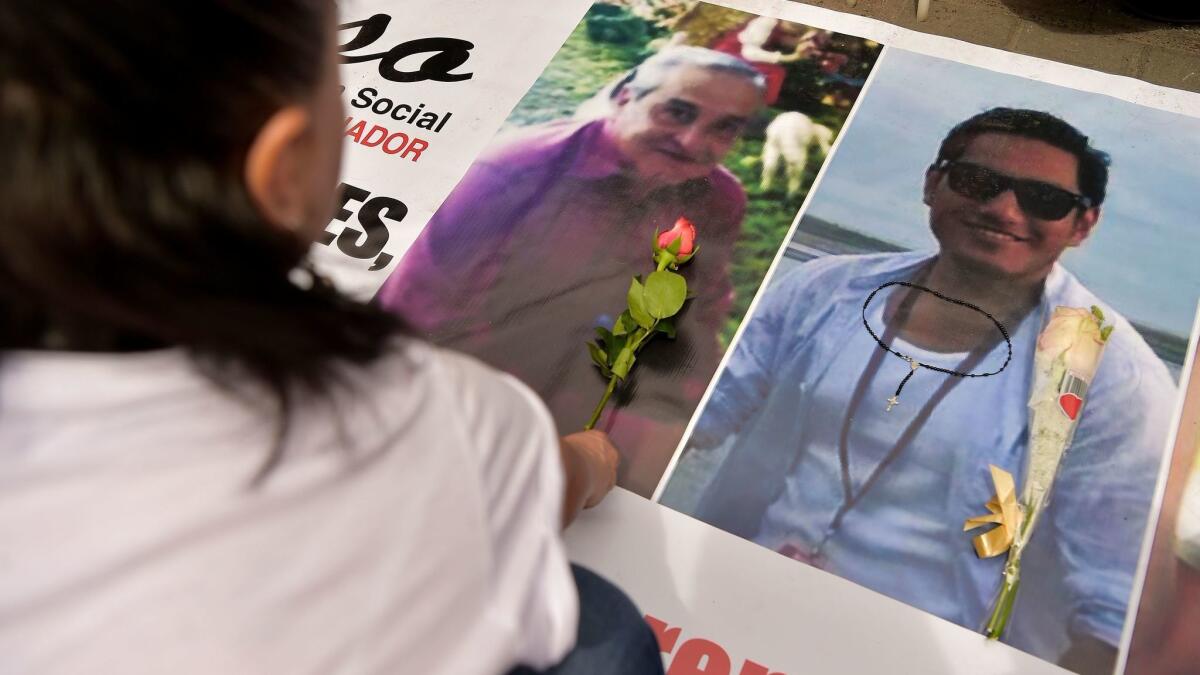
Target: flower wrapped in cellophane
x=1064 y=365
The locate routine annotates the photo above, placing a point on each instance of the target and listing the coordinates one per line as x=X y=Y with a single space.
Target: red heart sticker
x=1070 y=404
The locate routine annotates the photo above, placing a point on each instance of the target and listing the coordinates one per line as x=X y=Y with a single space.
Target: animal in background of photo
x=790 y=138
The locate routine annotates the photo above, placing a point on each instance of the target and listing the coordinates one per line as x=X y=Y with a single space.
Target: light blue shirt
x=888 y=534
x=783 y=395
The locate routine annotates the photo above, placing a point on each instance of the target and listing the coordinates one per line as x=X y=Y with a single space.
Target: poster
x=465 y=210
x=422 y=98
x=635 y=123
x=799 y=448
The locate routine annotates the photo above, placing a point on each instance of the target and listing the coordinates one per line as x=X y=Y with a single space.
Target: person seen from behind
x=210 y=460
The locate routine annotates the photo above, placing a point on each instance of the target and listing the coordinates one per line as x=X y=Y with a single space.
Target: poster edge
x=780 y=253
x=1186 y=381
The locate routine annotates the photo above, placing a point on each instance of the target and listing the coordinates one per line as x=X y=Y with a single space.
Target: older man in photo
x=831 y=467
x=537 y=245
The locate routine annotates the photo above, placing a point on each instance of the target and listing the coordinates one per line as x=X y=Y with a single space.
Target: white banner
x=432 y=83
x=427 y=87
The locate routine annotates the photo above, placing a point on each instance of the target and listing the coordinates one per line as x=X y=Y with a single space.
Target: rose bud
x=1074 y=334
x=685 y=231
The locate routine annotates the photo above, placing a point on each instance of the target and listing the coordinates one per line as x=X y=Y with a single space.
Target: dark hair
x=1042 y=126
x=124 y=218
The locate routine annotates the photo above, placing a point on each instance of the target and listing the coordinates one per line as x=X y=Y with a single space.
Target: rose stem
x=612 y=383
x=639 y=337
x=1008 y=590
x=1004 y=607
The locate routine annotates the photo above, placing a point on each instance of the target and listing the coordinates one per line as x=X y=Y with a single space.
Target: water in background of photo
x=1140 y=259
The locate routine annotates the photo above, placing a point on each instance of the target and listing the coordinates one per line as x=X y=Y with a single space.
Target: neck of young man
x=941 y=326
x=1000 y=295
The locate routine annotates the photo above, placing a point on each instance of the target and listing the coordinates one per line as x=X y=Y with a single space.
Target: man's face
x=684 y=128
x=998 y=236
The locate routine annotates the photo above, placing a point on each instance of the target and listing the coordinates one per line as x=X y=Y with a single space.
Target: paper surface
x=415 y=124
x=789 y=618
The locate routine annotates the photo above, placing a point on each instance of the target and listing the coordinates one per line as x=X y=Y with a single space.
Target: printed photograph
x=958 y=386
x=1164 y=634
x=605 y=247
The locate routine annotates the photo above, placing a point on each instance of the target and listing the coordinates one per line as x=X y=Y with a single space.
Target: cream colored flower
x=1074 y=334
x=1068 y=352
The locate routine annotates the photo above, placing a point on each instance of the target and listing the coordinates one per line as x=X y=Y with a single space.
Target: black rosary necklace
x=851 y=498
x=902 y=315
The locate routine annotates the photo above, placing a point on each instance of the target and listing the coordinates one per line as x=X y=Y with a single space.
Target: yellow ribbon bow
x=1005 y=512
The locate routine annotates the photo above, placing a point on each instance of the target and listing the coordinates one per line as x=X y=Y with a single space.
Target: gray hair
x=652 y=72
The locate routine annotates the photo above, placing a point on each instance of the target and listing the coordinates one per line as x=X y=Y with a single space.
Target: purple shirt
x=536 y=247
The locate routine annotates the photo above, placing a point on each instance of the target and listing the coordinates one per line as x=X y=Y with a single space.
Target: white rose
x=1074 y=334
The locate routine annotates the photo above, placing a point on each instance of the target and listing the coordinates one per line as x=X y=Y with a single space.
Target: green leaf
x=1098 y=313
x=623 y=363
x=1105 y=332
x=666 y=327
x=664 y=294
x=675 y=245
x=604 y=335
x=624 y=324
x=637 y=304
x=600 y=358
x=616 y=345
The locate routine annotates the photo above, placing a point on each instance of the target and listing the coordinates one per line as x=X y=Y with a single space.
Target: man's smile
x=677 y=155
x=995 y=234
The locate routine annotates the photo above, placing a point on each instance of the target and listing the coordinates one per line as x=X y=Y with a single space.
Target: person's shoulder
x=717 y=201
x=456 y=385
x=725 y=185
x=532 y=148
x=417 y=399
x=1129 y=365
x=864 y=263
x=1131 y=362
x=837 y=271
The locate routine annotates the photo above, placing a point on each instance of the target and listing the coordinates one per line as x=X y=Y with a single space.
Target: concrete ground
x=1090 y=33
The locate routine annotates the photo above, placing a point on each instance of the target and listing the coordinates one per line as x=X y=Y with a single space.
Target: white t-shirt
x=903 y=537
x=413 y=529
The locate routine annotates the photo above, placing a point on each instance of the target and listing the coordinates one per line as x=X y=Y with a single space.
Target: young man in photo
x=538 y=243
x=830 y=465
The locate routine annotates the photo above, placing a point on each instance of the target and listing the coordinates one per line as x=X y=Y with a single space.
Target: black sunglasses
x=1038 y=199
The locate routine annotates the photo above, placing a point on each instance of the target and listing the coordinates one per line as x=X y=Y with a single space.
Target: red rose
x=685 y=231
